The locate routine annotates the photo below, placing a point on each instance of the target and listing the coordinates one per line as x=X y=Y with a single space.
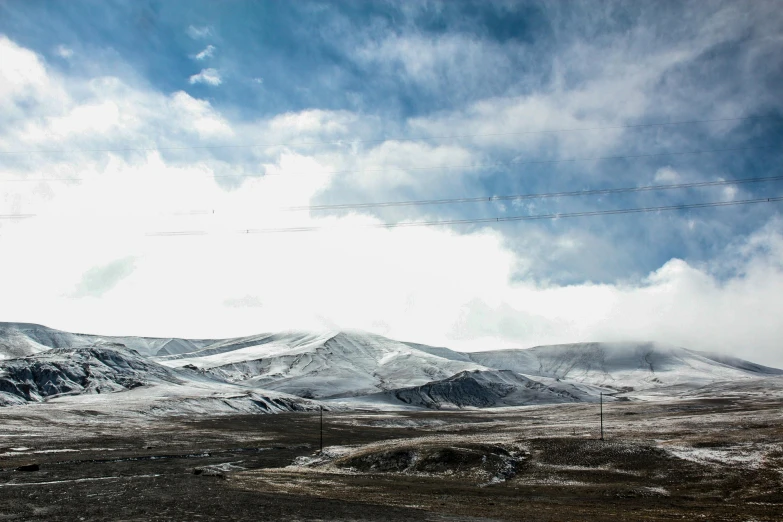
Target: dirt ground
x=699 y=459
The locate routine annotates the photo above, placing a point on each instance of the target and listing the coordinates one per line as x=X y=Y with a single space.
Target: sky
x=155 y=155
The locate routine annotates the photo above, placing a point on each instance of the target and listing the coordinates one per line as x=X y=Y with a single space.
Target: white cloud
x=208 y=76
x=426 y=284
x=408 y=164
x=666 y=175
x=208 y=52
x=63 y=52
x=86 y=118
x=634 y=77
x=678 y=303
x=100 y=279
x=457 y=65
x=23 y=76
x=204 y=119
x=730 y=193
x=197 y=33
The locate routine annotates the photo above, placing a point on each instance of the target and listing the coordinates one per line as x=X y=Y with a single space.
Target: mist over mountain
x=621 y=365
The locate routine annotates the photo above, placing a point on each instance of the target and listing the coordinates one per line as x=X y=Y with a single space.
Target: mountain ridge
x=338 y=365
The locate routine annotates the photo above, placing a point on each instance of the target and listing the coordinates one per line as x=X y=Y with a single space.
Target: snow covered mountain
x=20 y=339
x=92 y=376
x=329 y=365
x=623 y=365
x=283 y=371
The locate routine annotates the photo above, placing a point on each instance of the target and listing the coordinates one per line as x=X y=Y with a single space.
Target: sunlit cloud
x=208 y=52
x=207 y=76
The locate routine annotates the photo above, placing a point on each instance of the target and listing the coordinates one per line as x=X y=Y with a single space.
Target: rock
x=209 y=472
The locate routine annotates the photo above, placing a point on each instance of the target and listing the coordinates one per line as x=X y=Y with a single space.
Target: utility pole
x=602 y=416
x=322 y=430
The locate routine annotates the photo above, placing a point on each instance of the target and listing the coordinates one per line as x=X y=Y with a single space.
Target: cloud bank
x=135 y=224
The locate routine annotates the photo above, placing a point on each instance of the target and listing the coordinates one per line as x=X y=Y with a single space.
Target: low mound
x=486 y=463
x=494 y=461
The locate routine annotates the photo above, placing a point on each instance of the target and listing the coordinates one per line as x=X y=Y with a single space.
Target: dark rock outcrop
x=96 y=369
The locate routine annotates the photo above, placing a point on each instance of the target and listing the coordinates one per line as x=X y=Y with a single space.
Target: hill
x=623 y=365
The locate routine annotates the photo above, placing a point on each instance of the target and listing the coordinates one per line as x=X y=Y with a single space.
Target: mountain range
x=342 y=369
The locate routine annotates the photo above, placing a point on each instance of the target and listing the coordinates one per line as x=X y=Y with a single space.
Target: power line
x=516 y=162
x=446 y=167
x=482 y=199
x=401 y=138
x=624 y=190
x=494 y=220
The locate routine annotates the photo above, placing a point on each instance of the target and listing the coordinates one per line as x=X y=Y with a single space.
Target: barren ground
x=703 y=458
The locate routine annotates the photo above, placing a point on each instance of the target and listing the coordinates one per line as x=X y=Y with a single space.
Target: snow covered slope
x=15 y=342
x=20 y=339
x=329 y=365
x=622 y=365
x=741 y=364
x=250 y=373
x=92 y=376
x=446 y=353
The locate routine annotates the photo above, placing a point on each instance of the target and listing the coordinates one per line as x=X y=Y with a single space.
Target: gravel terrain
x=696 y=458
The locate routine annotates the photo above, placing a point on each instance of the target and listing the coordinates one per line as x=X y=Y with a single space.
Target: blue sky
x=392 y=101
